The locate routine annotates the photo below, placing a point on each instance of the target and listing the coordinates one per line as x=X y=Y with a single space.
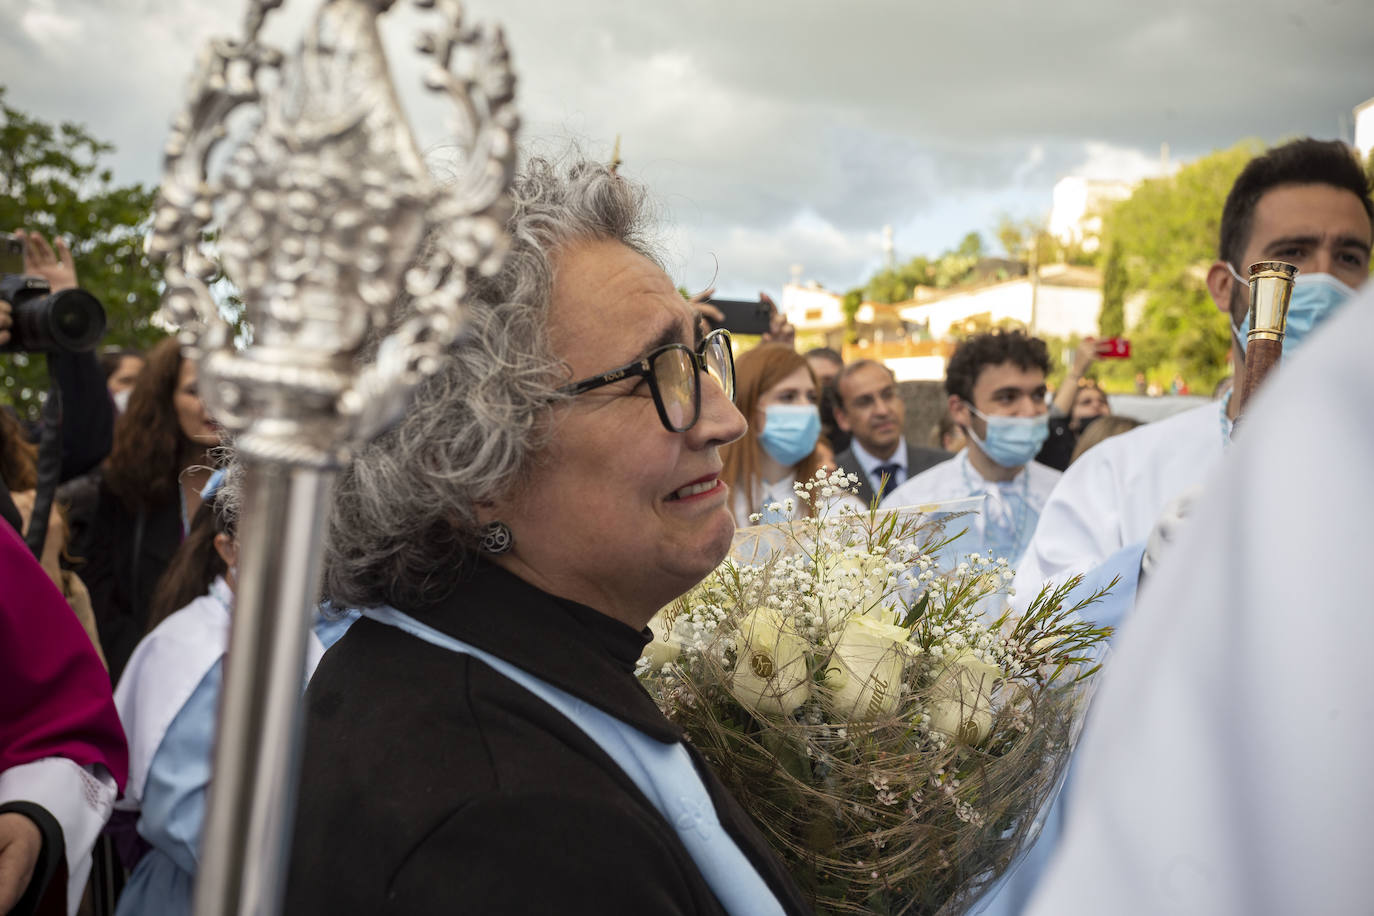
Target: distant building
x=915 y=338
x=812 y=308
x=1067 y=301
x=1364 y=128
x=1076 y=216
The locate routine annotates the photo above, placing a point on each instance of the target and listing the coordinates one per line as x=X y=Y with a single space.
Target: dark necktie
x=890 y=472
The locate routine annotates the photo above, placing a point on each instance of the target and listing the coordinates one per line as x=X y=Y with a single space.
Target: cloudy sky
x=789 y=132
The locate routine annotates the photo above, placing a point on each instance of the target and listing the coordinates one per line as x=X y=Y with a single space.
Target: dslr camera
x=70 y=321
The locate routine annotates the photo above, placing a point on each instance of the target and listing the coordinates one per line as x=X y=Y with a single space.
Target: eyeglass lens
x=675 y=372
x=720 y=365
x=676 y=377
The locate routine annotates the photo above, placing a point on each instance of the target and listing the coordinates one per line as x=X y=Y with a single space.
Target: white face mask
x=121 y=399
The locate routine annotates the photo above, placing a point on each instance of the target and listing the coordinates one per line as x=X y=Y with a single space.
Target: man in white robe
x=1225 y=769
x=1306 y=203
x=996 y=387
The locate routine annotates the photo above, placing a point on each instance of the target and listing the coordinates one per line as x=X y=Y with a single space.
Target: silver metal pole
x=352 y=262
x=246 y=844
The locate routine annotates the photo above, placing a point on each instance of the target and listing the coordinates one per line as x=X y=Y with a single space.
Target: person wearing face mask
x=1077 y=402
x=1121 y=505
x=167 y=700
x=776 y=389
x=121 y=367
x=996 y=388
x=1306 y=202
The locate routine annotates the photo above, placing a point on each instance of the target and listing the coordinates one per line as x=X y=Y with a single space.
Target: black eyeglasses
x=673 y=372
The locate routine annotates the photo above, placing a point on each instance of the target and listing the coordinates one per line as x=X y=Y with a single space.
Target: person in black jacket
x=88 y=414
x=145 y=496
x=479 y=742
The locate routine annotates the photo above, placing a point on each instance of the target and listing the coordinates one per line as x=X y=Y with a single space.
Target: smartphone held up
x=1113 y=348
x=742 y=316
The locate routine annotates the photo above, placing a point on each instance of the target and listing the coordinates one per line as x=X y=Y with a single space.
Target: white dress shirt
x=870 y=464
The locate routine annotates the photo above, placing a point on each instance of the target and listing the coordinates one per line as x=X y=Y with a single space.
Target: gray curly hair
x=405 y=510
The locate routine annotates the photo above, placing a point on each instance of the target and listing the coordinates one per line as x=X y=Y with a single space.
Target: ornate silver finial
x=325 y=218
x=352 y=262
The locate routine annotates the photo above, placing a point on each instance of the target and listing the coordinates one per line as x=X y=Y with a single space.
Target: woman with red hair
x=776 y=391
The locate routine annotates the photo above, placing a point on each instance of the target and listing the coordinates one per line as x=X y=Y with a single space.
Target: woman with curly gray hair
x=479 y=742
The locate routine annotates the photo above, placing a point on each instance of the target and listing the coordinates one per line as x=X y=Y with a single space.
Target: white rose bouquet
x=893 y=740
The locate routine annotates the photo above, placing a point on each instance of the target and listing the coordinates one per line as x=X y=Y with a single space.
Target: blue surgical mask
x=790 y=431
x=1315 y=298
x=1012 y=441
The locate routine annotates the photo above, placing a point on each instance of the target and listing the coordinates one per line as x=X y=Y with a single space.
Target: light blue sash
x=663 y=772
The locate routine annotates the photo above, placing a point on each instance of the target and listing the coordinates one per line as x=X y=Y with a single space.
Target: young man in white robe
x=1307 y=203
x=1225 y=767
x=1120 y=504
x=996 y=388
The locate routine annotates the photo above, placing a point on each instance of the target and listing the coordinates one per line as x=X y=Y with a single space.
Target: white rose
x=961 y=700
x=772 y=672
x=663 y=648
x=865 y=672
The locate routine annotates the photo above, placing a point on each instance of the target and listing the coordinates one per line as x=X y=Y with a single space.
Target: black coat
x=433 y=784
x=126 y=551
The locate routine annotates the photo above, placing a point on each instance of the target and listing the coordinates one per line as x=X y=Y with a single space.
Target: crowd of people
x=582 y=459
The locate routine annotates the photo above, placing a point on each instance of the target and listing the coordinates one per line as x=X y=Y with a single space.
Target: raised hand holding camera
x=45 y=310
x=40 y=260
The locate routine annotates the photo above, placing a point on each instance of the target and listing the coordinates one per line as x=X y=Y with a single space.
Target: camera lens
x=75 y=324
x=71 y=320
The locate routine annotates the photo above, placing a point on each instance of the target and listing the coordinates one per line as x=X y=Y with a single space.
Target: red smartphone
x=1113 y=348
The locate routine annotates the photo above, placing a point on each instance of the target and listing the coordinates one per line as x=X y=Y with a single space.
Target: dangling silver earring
x=496 y=538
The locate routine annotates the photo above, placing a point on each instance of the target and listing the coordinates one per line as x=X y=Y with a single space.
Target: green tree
x=1012 y=236
x=53 y=180
x=850 y=303
x=1112 y=320
x=887 y=286
x=970 y=246
x=1165 y=236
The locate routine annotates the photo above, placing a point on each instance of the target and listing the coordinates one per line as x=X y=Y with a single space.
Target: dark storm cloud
x=784 y=131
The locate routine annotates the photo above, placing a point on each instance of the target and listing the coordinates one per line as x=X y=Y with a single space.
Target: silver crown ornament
x=351 y=261
x=329 y=224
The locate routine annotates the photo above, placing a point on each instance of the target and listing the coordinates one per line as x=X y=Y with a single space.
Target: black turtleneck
x=440 y=783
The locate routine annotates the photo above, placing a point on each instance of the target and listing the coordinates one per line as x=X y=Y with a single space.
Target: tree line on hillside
x=1153 y=252
x=1154 y=249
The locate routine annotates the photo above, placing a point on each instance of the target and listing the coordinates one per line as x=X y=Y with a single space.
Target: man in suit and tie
x=871 y=409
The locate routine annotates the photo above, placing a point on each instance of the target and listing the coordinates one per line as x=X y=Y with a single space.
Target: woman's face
x=125 y=376
x=1088 y=403
x=192 y=416
x=618 y=512
x=795 y=389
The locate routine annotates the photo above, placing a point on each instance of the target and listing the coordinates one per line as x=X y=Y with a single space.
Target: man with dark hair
x=1306 y=202
x=869 y=408
x=996 y=388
